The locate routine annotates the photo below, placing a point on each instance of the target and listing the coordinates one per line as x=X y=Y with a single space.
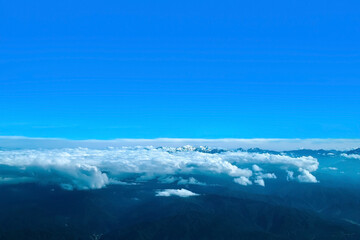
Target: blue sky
x=185 y=69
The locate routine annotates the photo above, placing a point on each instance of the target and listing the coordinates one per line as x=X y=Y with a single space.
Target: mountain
x=219 y=217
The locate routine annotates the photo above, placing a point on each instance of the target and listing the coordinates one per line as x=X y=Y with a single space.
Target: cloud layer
x=84 y=168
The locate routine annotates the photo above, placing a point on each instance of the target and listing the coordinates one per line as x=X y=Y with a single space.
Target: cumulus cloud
x=306 y=176
x=261 y=176
x=305 y=162
x=175 y=192
x=260 y=182
x=85 y=168
x=268 y=175
x=243 y=181
x=256 y=168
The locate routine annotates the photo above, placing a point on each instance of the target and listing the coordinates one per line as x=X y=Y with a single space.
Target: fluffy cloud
x=306 y=176
x=260 y=182
x=261 y=176
x=256 y=168
x=243 y=181
x=175 y=192
x=305 y=162
x=84 y=168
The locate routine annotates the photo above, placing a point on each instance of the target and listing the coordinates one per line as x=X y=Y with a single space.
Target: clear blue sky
x=196 y=69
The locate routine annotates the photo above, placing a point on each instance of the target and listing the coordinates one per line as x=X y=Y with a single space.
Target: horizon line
x=173 y=138
x=277 y=144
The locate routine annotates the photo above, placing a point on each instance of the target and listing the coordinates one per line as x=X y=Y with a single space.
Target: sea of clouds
x=87 y=168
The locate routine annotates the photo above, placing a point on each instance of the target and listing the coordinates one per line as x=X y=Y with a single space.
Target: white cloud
x=191 y=181
x=306 y=162
x=175 y=192
x=117 y=182
x=306 y=176
x=261 y=176
x=332 y=168
x=243 y=181
x=268 y=175
x=84 y=168
x=170 y=179
x=290 y=175
x=260 y=182
x=354 y=156
x=256 y=168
